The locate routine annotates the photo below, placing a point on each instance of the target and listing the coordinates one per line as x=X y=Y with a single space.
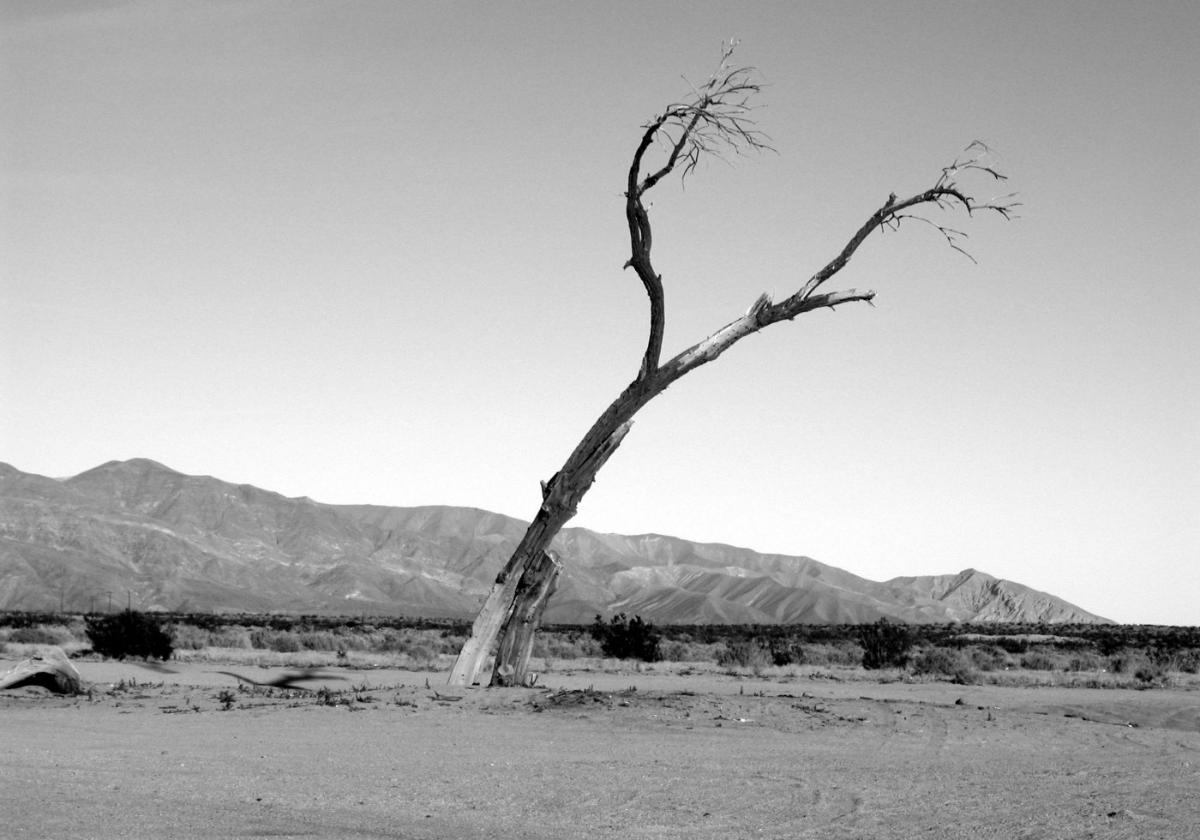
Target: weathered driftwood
x=51 y=670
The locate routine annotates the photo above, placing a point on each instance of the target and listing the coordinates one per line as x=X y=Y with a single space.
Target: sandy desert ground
x=389 y=753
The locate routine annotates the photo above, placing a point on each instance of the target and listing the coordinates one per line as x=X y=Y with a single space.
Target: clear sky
x=371 y=252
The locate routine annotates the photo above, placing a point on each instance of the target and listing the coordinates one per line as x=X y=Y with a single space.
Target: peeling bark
x=516 y=637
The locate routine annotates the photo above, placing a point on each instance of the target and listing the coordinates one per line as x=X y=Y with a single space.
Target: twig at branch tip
x=964 y=252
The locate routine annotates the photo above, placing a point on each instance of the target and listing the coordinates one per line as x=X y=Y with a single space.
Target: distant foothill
x=137 y=533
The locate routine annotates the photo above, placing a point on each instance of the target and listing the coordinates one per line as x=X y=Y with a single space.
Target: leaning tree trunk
x=516 y=636
x=716 y=119
x=524 y=585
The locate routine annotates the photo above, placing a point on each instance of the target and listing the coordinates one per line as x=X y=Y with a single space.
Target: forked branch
x=716 y=119
x=947 y=193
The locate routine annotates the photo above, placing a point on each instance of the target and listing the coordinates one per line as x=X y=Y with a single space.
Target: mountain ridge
x=180 y=542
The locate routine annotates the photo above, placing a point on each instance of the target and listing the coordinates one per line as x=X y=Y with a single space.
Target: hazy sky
x=371 y=252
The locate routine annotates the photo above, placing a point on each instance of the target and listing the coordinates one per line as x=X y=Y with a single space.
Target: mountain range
x=139 y=533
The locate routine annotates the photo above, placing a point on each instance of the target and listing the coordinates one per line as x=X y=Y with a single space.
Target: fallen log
x=50 y=669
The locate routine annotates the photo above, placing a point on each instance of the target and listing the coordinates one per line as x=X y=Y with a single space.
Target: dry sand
x=594 y=755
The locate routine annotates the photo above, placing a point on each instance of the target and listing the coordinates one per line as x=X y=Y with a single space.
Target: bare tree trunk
x=502 y=600
x=516 y=637
x=560 y=500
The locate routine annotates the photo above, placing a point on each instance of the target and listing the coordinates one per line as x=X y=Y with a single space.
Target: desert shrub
x=944 y=662
x=744 y=654
x=41 y=634
x=627 y=638
x=785 y=651
x=1186 y=661
x=451 y=643
x=1086 y=662
x=840 y=653
x=190 y=637
x=320 y=640
x=987 y=657
x=422 y=654
x=404 y=641
x=677 y=650
x=564 y=646
x=280 y=641
x=1012 y=645
x=885 y=645
x=391 y=640
x=1037 y=660
x=792 y=650
x=356 y=638
x=129 y=633
x=1150 y=674
x=1127 y=662
x=230 y=637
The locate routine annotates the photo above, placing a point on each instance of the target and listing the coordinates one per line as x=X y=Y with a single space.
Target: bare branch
x=946 y=194
x=713 y=121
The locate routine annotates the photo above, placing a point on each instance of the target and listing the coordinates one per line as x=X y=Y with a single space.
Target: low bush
x=563 y=646
x=1127 y=662
x=280 y=641
x=129 y=633
x=1185 y=661
x=885 y=645
x=1150 y=674
x=1086 y=662
x=988 y=657
x=230 y=637
x=691 y=651
x=1012 y=645
x=423 y=655
x=41 y=634
x=945 y=662
x=627 y=638
x=785 y=651
x=190 y=637
x=323 y=640
x=1037 y=660
x=744 y=654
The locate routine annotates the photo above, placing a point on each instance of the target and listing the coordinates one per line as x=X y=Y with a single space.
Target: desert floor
x=390 y=753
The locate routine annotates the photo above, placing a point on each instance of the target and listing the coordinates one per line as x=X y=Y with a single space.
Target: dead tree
x=714 y=120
